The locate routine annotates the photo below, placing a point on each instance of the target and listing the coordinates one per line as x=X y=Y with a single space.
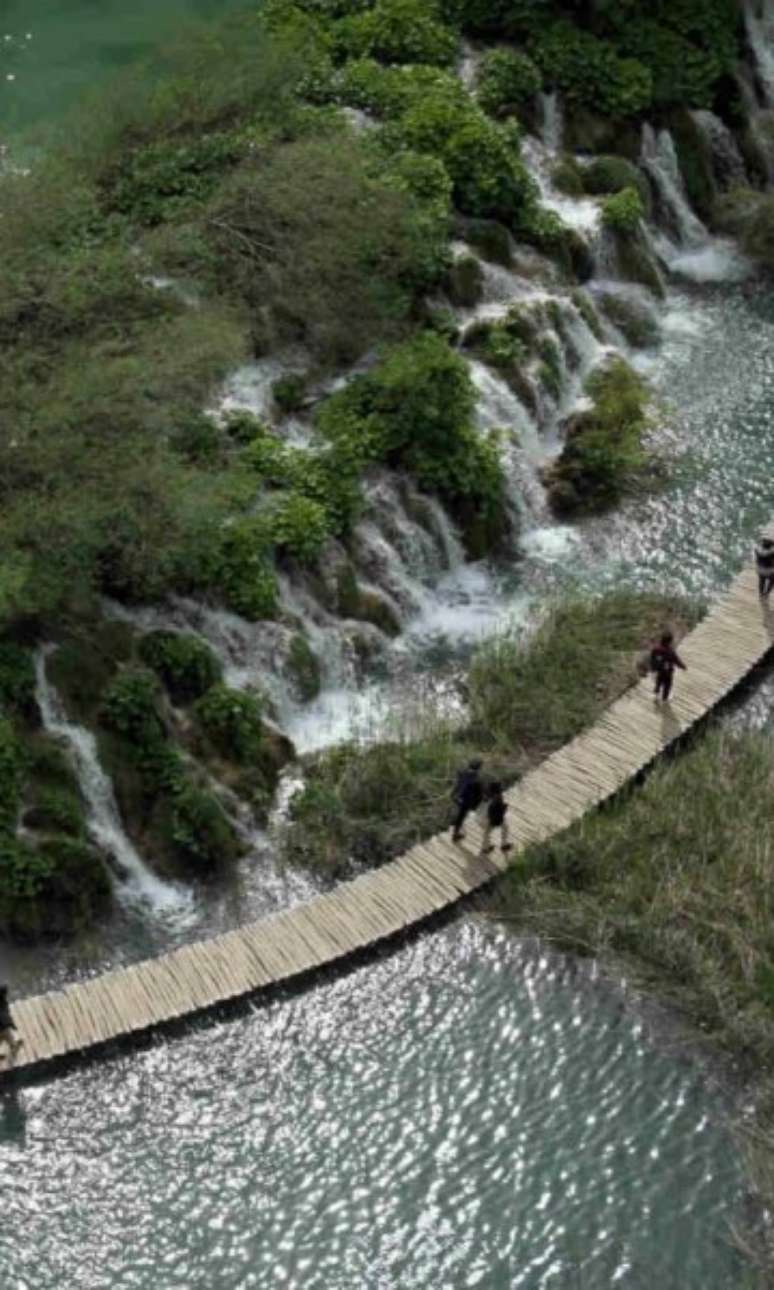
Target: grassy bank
x=675 y=883
x=525 y=697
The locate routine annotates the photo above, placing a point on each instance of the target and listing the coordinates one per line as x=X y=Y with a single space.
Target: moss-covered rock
x=632 y=317
x=197 y=830
x=491 y=240
x=749 y=215
x=588 y=131
x=464 y=282
x=588 y=312
x=694 y=154
x=568 y=176
x=302 y=669
x=233 y=722
x=637 y=262
x=603 y=452
x=364 y=605
x=610 y=174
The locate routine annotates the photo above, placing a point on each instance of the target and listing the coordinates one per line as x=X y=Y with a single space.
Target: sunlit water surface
x=465 y=1113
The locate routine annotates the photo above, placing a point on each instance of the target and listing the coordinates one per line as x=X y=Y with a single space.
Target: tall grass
x=526 y=696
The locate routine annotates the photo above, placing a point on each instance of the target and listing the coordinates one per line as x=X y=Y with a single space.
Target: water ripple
x=465 y=1113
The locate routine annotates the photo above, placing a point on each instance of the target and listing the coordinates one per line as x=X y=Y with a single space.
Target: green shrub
x=505 y=79
x=240 y=571
x=397 y=31
x=49 y=890
x=198 y=829
x=186 y=664
x=130 y=707
x=232 y=721
x=590 y=71
x=199 y=440
x=480 y=156
x=56 y=810
x=623 y=211
x=299 y=525
x=603 y=453
x=162 y=180
x=365 y=84
x=568 y=176
x=288 y=392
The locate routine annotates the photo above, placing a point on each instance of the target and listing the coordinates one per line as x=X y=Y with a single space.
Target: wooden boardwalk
x=734 y=636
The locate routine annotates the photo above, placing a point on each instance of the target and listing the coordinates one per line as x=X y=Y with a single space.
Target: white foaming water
x=580 y=213
x=249 y=389
x=687 y=248
x=759 y=23
x=139 y=886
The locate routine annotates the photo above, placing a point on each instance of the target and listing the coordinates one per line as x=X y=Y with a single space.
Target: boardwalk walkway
x=734 y=636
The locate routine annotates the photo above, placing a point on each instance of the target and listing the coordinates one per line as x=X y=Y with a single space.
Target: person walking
x=663 y=661
x=764 y=563
x=496 y=810
x=468 y=796
x=7 y=1026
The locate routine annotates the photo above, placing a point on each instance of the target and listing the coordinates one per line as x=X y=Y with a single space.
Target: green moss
x=17 y=680
x=637 y=262
x=491 y=240
x=749 y=215
x=288 y=392
x=588 y=312
x=186 y=664
x=56 y=810
x=568 y=176
x=637 y=322
x=302 y=669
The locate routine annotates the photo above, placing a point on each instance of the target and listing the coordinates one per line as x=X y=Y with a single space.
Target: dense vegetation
x=218 y=205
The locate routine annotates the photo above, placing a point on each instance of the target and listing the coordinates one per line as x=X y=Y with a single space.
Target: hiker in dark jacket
x=468 y=796
x=764 y=563
x=663 y=661
x=496 y=809
x=7 y=1026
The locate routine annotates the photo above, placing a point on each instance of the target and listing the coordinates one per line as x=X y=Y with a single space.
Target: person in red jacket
x=663 y=661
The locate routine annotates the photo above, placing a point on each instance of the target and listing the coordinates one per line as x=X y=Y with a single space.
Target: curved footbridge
x=730 y=640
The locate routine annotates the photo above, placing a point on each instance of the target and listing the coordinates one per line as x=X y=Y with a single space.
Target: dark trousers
x=765 y=583
x=463 y=810
x=664 y=683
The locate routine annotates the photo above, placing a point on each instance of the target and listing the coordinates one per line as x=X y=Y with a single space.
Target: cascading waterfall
x=685 y=246
x=137 y=885
x=541 y=154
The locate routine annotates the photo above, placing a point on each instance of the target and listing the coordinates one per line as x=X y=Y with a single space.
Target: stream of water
x=469 y=1111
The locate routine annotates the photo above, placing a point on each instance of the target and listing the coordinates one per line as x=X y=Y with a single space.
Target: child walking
x=496 y=809
x=663 y=660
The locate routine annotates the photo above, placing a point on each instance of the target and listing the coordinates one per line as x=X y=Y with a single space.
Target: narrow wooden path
x=734 y=636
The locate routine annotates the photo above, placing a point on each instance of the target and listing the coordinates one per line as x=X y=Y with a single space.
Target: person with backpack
x=7 y=1026
x=663 y=661
x=468 y=796
x=496 y=809
x=764 y=563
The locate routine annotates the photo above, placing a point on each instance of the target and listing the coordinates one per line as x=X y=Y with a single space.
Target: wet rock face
x=464 y=282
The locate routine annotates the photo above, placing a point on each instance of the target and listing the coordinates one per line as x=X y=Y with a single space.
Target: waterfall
x=759 y=23
x=686 y=246
x=542 y=155
x=138 y=885
x=659 y=159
